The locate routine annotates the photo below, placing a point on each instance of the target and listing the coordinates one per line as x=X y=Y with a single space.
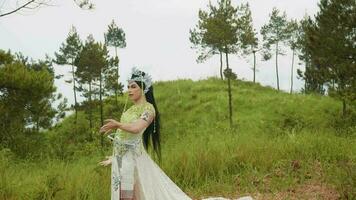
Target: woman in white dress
x=134 y=175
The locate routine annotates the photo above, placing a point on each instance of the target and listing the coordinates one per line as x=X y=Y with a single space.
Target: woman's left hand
x=110 y=124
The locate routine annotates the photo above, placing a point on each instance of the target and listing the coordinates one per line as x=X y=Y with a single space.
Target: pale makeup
x=134 y=91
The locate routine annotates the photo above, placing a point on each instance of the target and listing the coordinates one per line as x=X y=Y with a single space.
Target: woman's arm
x=135 y=127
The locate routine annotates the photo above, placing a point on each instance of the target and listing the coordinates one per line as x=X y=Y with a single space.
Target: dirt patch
x=305 y=191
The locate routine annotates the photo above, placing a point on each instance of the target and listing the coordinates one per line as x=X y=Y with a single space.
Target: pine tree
x=91 y=62
x=68 y=52
x=27 y=91
x=115 y=37
x=217 y=32
x=276 y=33
x=205 y=47
x=247 y=35
x=313 y=82
x=294 y=31
x=331 y=42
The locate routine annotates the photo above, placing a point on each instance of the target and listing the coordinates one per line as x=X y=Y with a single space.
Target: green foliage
x=216 y=30
x=230 y=74
x=68 y=53
x=26 y=94
x=115 y=36
x=111 y=77
x=6 y=57
x=85 y=4
x=70 y=49
x=275 y=32
x=91 y=60
x=247 y=34
x=62 y=139
x=295 y=33
x=275 y=148
x=331 y=43
x=313 y=82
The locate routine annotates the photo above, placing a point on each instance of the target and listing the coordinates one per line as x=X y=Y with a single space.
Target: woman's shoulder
x=148 y=103
x=149 y=106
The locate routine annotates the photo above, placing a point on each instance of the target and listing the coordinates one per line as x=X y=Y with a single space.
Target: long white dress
x=134 y=174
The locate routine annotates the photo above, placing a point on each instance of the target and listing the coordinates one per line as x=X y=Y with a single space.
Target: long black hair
x=152 y=132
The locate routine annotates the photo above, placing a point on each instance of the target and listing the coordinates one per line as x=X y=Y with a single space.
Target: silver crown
x=143 y=78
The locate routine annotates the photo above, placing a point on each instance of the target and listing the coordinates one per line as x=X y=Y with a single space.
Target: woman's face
x=134 y=91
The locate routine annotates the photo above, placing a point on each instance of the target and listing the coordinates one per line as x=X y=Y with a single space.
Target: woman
x=134 y=174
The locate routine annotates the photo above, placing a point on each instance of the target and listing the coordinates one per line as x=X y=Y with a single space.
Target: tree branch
x=17 y=9
x=34 y=4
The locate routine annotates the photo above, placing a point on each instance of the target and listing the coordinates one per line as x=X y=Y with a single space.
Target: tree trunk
x=277 y=66
x=101 y=110
x=37 y=125
x=343 y=108
x=75 y=99
x=254 y=66
x=305 y=79
x=229 y=90
x=117 y=77
x=221 y=66
x=90 y=112
x=333 y=81
x=291 y=77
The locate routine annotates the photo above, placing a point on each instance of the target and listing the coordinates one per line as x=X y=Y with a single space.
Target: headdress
x=137 y=75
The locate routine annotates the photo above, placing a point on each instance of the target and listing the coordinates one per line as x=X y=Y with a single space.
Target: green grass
x=49 y=179
x=279 y=142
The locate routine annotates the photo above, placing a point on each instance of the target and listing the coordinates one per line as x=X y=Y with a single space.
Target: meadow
x=281 y=146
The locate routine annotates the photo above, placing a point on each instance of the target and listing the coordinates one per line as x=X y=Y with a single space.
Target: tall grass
x=279 y=141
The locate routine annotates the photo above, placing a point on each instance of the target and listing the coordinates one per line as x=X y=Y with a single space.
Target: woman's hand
x=106 y=162
x=110 y=124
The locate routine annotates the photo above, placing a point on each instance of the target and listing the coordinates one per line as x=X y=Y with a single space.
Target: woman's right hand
x=106 y=162
x=110 y=125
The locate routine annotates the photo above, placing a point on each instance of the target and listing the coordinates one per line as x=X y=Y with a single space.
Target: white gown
x=134 y=174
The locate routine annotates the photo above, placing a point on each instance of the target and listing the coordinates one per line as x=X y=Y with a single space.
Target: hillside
x=281 y=146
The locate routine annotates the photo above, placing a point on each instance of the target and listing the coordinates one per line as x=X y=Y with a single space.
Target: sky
x=157 y=37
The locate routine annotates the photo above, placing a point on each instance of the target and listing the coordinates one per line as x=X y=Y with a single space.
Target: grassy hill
x=282 y=146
